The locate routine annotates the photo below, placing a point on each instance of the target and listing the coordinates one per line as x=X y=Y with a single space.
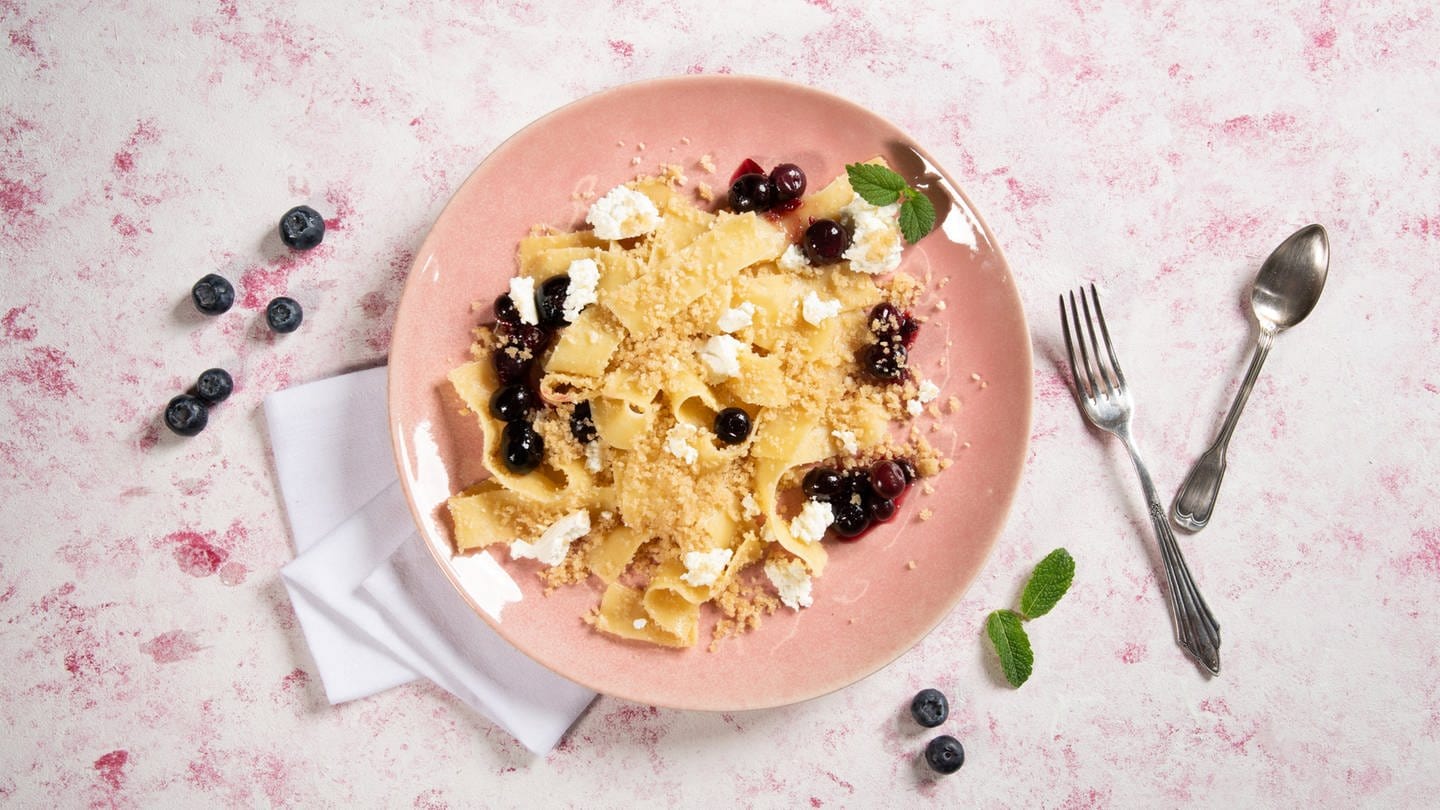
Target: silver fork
x=1105 y=399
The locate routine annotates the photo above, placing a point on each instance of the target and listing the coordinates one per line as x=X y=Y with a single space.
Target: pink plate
x=872 y=604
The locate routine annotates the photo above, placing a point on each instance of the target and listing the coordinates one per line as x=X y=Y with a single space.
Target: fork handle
x=1196 y=629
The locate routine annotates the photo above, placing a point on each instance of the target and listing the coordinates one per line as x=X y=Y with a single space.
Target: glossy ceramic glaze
x=879 y=596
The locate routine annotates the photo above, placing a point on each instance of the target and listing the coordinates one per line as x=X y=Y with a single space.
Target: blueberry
x=214 y=386
x=302 y=228
x=885 y=362
x=887 y=479
x=186 y=415
x=789 y=181
x=825 y=241
x=929 y=708
x=505 y=311
x=857 y=482
x=908 y=467
x=521 y=447
x=582 y=423
x=509 y=369
x=909 y=330
x=881 y=510
x=851 y=518
x=213 y=294
x=511 y=403
x=284 y=315
x=945 y=754
x=886 y=321
x=752 y=192
x=526 y=337
x=822 y=483
x=732 y=425
x=550 y=301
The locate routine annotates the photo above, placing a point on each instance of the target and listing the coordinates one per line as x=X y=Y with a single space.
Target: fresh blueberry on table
x=929 y=708
x=186 y=415
x=214 y=385
x=732 y=425
x=213 y=294
x=302 y=228
x=284 y=315
x=944 y=754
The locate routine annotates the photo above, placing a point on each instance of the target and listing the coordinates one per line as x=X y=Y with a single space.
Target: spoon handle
x=1196 y=499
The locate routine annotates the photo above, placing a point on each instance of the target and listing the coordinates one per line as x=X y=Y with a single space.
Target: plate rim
x=1022 y=450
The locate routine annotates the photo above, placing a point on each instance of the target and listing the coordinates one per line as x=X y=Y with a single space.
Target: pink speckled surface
x=1162 y=149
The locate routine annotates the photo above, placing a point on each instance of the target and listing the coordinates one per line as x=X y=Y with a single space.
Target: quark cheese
x=554 y=544
x=875 y=240
x=677 y=442
x=721 y=354
x=584 y=280
x=733 y=320
x=702 y=568
x=522 y=294
x=816 y=310
x=815 y=517
x=792 y=582
x=623 y=213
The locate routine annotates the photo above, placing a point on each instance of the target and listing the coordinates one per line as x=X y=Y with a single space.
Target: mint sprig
x=879 y=185
x=1012 y=644
x=1048 y=583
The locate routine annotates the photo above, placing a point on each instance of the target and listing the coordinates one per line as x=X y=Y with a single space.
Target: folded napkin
x=375 y=610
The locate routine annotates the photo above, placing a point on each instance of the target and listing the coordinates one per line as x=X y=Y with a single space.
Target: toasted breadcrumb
x=706 y=163
x=926 y=514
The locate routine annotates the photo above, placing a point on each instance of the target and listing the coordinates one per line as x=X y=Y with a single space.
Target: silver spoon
x=1289 y=284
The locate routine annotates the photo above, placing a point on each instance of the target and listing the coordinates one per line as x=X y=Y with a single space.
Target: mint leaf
x=1011 y=644
x=1047 y=584
x=875 y=184
x=917 y=216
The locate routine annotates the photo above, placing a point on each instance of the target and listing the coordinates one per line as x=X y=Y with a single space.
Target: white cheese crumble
x=522 y=294
x=847 y=440
x=875 y=241
x=793 y=260
x=704 y=567
x=554 y=544
x=733 y=320
x=622 y=213
x=816 y=310
x=639 y=624
x=584 y=279
x=792 y=582
x=592 y=456
x=677 y=442
x=815 y=517
x=721 y=354
x=927 y=393
x=749 y=507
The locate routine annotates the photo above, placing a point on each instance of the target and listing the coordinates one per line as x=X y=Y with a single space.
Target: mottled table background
x=1162 y=149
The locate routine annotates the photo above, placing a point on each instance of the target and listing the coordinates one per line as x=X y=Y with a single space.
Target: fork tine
x=1092 y=389
x=1070 y=350
x=1095 y=344
x=1114 y=362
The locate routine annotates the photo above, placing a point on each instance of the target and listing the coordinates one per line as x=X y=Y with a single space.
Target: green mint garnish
x=1049 y=582
x=878 y=185
x=1013 y=645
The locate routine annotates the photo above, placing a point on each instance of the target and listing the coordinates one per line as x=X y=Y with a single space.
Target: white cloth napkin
x=374 y=608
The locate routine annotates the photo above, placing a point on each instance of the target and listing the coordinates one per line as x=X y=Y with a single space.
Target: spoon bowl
x=1285 y=291
x=1291 y=279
